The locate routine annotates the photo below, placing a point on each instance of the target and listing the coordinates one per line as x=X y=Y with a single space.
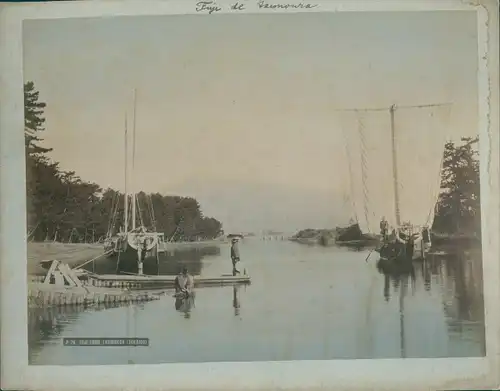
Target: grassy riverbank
x=72 y=254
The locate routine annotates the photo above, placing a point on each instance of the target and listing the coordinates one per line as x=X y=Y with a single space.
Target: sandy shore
x=75 y=254
x=72 y=254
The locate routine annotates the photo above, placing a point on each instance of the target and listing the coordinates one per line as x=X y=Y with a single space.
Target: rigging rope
x=139 y=210
x=363 y=168
x=351 y=181
x=438 y=192
x=418 y=208
x=152 y=213
x=110 y=222
x=114 y=212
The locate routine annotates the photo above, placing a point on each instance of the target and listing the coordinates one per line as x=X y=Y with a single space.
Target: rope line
x=364 y=168
x=351 y=176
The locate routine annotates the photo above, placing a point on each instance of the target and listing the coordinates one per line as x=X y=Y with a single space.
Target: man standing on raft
x=235 y=255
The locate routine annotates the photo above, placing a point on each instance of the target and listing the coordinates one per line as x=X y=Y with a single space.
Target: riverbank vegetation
x=458 y=209
x=63 y=207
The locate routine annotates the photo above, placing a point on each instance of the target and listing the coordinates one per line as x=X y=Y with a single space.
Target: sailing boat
x=134 y=245
x=351 y=235
x=402 y=221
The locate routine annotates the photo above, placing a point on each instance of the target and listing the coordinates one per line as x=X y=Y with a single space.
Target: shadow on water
x=170 y=262
x=458 y=274
x=236 y=300
x=47 y=324
x=185 y=305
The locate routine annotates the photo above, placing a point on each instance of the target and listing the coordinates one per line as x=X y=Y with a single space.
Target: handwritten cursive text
x=238 y=6
x=266 y=5
x=211 y=6
x=208 y=6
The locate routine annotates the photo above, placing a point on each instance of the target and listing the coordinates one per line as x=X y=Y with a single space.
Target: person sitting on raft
x=184 y=282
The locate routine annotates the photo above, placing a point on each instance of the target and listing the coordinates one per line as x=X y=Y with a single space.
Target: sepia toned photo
x=258 y=194
x=233 y=197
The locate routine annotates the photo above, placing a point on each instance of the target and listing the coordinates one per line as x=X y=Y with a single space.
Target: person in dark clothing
x=235 y=255
x=426 y=235
x=384 y=228
x=410 y=247
x=184 y=283
x=144 y=250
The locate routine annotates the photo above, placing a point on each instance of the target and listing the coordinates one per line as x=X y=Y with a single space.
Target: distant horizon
x=241 y=113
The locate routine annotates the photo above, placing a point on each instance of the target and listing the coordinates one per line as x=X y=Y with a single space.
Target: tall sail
x=370 y=166
x=395 y=163
x=420 y=139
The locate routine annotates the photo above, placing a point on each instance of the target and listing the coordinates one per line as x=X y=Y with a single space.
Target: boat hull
x=357 y=244
x=128 y=250
x=401 y=252
x=127 y=258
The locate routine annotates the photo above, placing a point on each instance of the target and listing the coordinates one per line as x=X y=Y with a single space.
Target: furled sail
x=404 y=192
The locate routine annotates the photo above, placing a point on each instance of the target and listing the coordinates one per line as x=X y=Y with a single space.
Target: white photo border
x=347 y=374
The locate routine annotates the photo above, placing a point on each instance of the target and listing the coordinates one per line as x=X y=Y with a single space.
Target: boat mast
x=395 y=168
x=394 y=154
x=126 y=189
x=134 y=200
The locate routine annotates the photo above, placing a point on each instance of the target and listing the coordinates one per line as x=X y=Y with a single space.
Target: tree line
x=458 y=209
x=63 y=207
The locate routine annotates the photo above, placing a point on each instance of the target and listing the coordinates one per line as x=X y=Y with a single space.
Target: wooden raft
x=140 y=281
x=60 y=274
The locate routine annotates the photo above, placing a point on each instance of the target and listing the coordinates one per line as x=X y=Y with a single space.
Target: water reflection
x=185 y=304
x=47 y=324
x=236 y=300
x=457 y=275
x=424 y=309
x=399 y=274
x=170 y=262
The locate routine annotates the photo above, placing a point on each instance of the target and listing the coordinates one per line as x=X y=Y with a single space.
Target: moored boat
x=137 y=246
x=407 y=200
x=132 y=248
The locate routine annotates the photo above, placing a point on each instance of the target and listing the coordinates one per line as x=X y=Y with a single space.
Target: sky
x=243 y=112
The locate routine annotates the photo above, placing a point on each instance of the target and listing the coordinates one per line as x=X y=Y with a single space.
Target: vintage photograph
x=253 y=187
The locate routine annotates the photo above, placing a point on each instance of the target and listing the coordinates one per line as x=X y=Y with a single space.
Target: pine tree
x=459 y=205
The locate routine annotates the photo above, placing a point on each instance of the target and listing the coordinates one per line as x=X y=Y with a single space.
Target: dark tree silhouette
x=458 y=210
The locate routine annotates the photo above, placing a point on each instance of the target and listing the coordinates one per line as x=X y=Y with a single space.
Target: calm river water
x=304 y=303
